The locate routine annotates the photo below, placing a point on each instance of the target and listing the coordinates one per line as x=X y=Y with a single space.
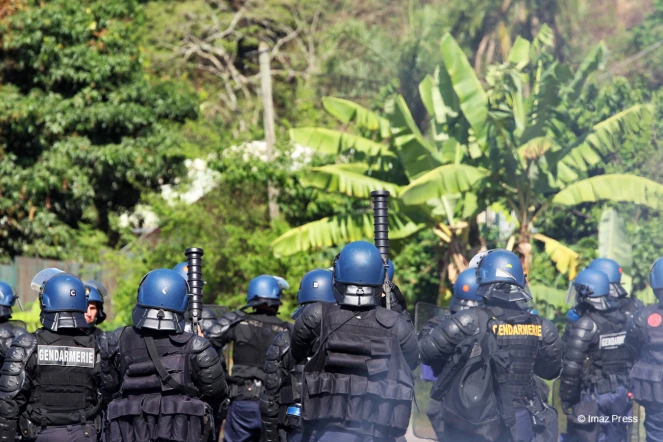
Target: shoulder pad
x=549 y=332
x=312 y=315
x=26 y=340
x=386 y=317
x=641 y=315
x=231 y=318
x=199 y=344
x=214 y=331
x=585 y=323
x=279 y=347
x=584 y=329
x=13 y=372
x=113 y=339
x=468 y=321
x=6 y=333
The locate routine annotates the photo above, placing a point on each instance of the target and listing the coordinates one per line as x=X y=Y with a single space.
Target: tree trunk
x=525 y=247
x=442 y=265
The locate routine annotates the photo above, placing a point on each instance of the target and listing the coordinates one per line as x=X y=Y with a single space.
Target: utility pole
x=268 y=121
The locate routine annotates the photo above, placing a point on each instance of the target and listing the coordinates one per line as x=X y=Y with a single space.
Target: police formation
x=344 y=371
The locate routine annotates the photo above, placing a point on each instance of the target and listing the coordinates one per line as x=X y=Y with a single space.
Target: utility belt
x=602 y=383
x=29 y=429
x=246 y=390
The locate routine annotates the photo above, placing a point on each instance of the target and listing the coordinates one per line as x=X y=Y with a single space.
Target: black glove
x=7 y=430
x=397 y=296
x=223 y=409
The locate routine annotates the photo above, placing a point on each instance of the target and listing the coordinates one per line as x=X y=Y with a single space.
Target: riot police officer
x=50 y=378
x=8 y=330
x=280 y=403
x=533 y=345
x=627 y=304
x=164 y=380
x=596 y=364
x=95 y=314
x=358 y=385
x=644 y=340
x=251 y=335
x=464 y=297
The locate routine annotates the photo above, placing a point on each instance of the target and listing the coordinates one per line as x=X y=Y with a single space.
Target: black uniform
x=435 y=407
x=8 y=331
x=644 y=340
x=283 y=388
x=50 y=380
x=360 y=380
x=533 y=344
x=595 y=375
x=147 y=405
x=251 y=335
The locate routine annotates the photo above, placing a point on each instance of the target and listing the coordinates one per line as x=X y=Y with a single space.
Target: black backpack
x=473 y=387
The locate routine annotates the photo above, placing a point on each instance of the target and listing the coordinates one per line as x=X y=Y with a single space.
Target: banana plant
x=508 y=142
x=519 y=130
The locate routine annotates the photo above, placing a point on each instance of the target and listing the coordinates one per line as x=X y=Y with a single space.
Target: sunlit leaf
x=348 y=179
x=565 y=259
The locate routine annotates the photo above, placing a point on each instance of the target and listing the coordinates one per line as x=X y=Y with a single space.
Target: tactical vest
x=149 y=406
x=520 y=334
x=253 y=336
x=608 y=361
x=64 y=386
x=359 y=378
x=139 y=375
x=647 y=373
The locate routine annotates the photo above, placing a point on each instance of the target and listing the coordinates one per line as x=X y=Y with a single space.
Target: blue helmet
x=391 y=270
x=614 y=273
x=183 y=269
x=96 y=292
x=465 y=292
x=656 y=278
x=592 y=287
x=359 y=273
x=500 y=276
x=316 y=286
x=263 y=289
x=63 y=302
x=7 y=299
x=163 y=297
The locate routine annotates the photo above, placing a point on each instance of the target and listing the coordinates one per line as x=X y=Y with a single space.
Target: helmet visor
x=617 y=291
x=505 y=291
x=43 y=276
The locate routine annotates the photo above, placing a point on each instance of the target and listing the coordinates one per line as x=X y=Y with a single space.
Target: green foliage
x=83 y=130
x=236 y=244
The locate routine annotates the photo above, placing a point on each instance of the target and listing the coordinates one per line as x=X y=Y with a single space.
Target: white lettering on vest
x=65 y=356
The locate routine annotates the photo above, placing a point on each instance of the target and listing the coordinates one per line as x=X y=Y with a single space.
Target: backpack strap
x=500 y=367
x=163 y=374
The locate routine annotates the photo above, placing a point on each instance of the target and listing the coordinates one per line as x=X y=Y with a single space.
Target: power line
x=632 y=58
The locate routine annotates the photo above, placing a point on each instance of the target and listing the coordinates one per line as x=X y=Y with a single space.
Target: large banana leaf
x=552 y=296
x=604 y=138
x=614 y=187
x=519 y=55
x=349 y=179
x=346 y=111
x=565 y=259
x=339 y=230
x=416 y=154
x=443 y=180
x=614 y=241
x=473 y=99
x=594 y=60
x=333 y=142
